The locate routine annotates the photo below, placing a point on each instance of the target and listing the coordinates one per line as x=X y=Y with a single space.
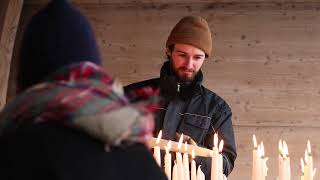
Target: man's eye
x=182 y=55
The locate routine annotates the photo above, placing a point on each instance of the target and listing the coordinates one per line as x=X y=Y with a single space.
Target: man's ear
x=168 y=52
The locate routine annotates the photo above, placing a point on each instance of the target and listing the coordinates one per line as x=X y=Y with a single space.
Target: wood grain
x=9 y=26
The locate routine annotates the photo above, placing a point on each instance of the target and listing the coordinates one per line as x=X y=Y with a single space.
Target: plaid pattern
x=84 y=96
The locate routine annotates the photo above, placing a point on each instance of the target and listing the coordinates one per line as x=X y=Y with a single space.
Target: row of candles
x=180 y=169
x=259 y=163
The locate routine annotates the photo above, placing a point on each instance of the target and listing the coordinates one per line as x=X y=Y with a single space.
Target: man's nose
x=188 y=62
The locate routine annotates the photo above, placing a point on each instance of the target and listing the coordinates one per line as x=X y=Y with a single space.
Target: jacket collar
x=171 y=87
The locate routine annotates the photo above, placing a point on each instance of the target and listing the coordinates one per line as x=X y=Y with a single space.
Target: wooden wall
x=9 y=18
x=266 y=63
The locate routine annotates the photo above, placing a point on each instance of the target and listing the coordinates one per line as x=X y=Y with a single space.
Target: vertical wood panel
x=7 y=38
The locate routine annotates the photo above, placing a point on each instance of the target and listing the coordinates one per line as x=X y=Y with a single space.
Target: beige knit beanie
x=193 y=30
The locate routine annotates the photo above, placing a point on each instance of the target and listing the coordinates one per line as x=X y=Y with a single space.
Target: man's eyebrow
x=181 y=51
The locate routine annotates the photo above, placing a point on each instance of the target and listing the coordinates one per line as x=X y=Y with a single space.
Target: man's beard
x=184 y=78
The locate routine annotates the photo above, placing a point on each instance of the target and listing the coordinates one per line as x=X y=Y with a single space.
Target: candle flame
x=180 y=142
x=199 y=168
x=167 y=149
x=262 y=149
x=306 y=156
x=168 y=146
x=285 y=149
x=302 y=165
x=193 y=154
x=280 y=147
x=309 y=147
x=259 y=151
x=215 y=140
x=254 y=139
x=221 y=146
x=159 y=137
x=185 y=147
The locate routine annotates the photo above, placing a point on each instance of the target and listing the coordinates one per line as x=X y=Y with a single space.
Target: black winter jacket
x=55 y=152
x=193 y=110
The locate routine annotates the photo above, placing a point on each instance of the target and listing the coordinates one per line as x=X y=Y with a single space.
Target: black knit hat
x=56 y=36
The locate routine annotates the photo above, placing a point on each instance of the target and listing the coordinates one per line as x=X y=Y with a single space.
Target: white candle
x=310 y=161
x=203 y=177
x=302 y=168
x=175 y=171
x=186 y=162
x=259 y=163
x=179 y=160
x=199 y=173
x=255 y=171
x=307 y=173
x=284 y=161
x=264 y=167
x=167 y=161
x=220 y=161
x=156 y=150
x=215 y=158
x=287 y=161
x=193 y=167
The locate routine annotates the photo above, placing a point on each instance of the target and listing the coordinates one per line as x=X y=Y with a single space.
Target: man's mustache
x=186 y=69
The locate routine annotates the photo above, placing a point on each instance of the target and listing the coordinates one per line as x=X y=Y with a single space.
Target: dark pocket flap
x=197 y=120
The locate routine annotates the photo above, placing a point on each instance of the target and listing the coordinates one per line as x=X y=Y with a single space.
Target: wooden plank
x=43 y=2
x=37 y=2
x=296 y=139
x=263 y=109
x=7 y=37
x=3 y=9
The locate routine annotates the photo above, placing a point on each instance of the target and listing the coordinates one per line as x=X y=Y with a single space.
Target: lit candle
x=156 y=150
x=310 y=162
x=186 y=162
x=215 y=158
x=255 y=158
x=175 y=171
x=302 y=168
x=167 y=161
x=264 y=167
x=284 y=161
x=220 y=161
x=193 y=167
x=203 y=177
x=259 y=163
x=179 y=160
x=287 y=161
x=199 y=173
x=307 y=173
x=280 y=161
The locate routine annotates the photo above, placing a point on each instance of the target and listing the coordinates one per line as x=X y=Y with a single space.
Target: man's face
x=186 y=61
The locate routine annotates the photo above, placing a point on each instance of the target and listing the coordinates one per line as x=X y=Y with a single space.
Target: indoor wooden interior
x=265 y=63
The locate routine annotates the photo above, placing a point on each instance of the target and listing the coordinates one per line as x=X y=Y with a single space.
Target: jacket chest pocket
x=195 y=126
